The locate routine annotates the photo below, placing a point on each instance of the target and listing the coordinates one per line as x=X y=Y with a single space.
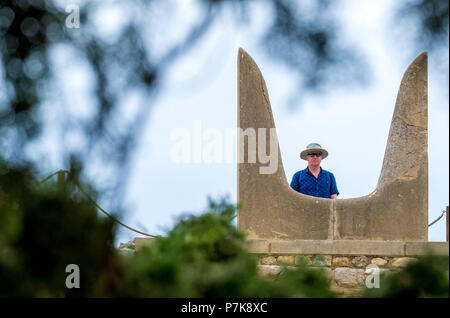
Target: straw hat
x=313 y=147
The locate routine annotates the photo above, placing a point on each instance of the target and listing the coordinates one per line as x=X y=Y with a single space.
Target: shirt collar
x=309 y=172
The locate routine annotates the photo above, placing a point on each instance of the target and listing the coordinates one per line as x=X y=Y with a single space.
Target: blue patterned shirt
x=323 y=186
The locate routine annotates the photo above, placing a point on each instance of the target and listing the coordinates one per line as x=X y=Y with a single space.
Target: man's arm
x=294 y=183
x=334 y=189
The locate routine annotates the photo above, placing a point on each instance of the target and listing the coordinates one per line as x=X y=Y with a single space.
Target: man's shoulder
x=327 y=172
x=300 y=171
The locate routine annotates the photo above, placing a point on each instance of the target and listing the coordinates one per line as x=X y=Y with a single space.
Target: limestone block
x=424 y=248
x=126 y=251
x=258 y=246
x=322 y=260
x=303 y=260
x=381 y=271
x=338 y=247
x=402 y=261
x=341 y=262
x=360 y=261
x=129 y=245
x=268 y=260
x=286 y=259
x=269 y=271
x=139 y=242
x=349 y=277
x=380 y=262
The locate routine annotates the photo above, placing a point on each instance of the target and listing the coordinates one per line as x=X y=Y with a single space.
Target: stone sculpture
x=397 y=210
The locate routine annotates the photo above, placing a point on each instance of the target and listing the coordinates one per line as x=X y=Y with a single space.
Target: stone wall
x=346 y=273
x=344 y=262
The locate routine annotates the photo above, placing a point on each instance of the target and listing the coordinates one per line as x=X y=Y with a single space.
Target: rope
x=437 y=219
x=130 y=228
x=96 y=204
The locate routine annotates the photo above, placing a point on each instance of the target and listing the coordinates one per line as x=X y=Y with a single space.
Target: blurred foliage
x=38 y=53
x=427 y=277
x=46 y=226
x=131 y=61
x=206 y=256
x=431 y=19
x=43 y=228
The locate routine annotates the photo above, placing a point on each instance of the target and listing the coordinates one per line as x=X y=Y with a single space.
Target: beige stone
x=349 y=277
x=341 y=262
x=258 y=246
x=322 y=260
x=341 y=247
x=396 y=211
x=129 y=245
x=380 y=262
x=402 y=261
x=424 y=248
x=286 y=259
x=303 y=260
x=360 y=261
x=268 y=260
x=139 y=242
x=126 y=251
x=269 y=271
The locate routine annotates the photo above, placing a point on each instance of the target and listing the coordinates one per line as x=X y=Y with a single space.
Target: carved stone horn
x=396 y=210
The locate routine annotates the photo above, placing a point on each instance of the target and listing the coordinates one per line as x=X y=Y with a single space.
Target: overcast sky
x=352 y=124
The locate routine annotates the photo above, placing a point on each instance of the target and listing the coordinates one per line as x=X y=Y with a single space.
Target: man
x=314 y=180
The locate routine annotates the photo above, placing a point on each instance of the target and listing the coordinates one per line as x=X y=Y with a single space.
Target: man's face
x=314 y=158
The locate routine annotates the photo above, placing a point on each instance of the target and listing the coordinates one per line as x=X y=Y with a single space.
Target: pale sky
x=352 y=124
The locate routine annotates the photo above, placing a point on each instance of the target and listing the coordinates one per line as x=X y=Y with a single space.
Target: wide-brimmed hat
x=313 y=147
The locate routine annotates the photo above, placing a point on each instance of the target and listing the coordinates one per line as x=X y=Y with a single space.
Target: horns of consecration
x=396 y=210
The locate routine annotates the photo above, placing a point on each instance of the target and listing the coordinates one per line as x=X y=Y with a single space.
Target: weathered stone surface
x=402 y=261
x=360 y=261
x=342 y=247
x=301 y=247
x=303 y=260
x=126 y=251
x=274 y=209
x=287 y=260
x=381 y=271
x=424 y=248
x=258 y=246
x=268 y=260
x=129 y=245
x=380 y=262
x=139 y=242
x=396 y=210
x=322 y=260
x=269 y=271
x=349 y=277
x=341 y=262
